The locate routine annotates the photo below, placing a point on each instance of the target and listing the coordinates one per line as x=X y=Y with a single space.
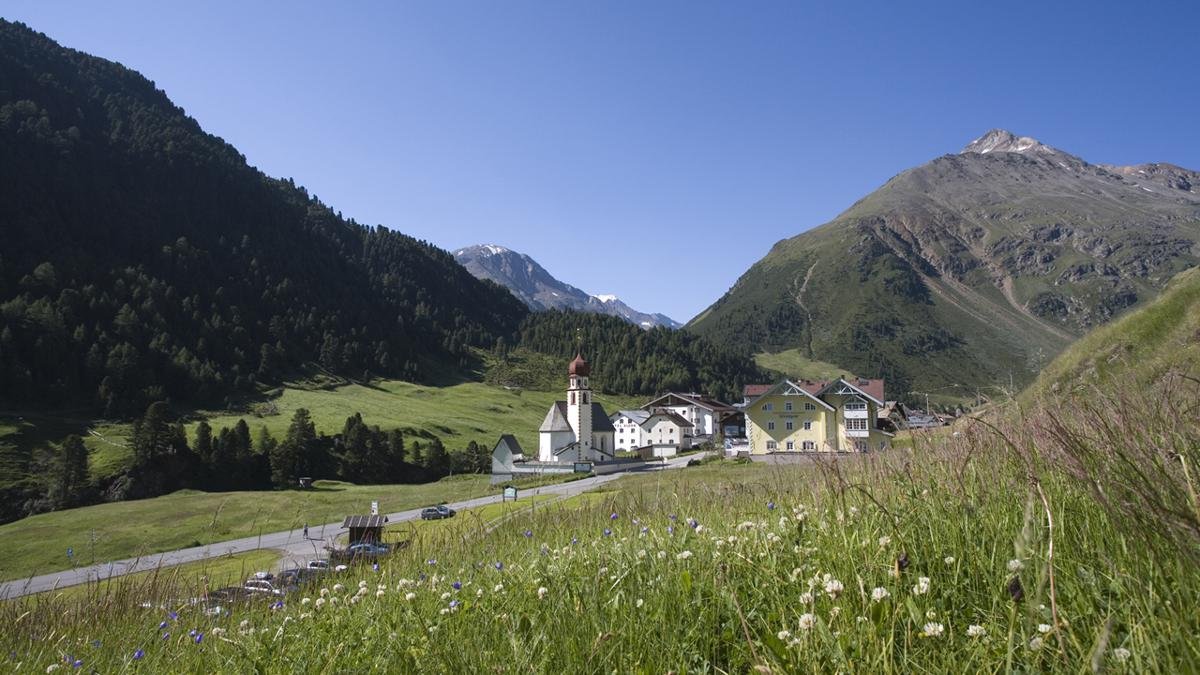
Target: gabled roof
x=872 y=389
x=635 y=416
x=666 y=414
x=510 y=442
x=803 y=388
x=364 y=521
x=556 y=419
x=689 y=399
x=755 y=390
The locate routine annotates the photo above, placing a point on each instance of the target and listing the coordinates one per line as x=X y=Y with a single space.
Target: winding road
x=291 y=543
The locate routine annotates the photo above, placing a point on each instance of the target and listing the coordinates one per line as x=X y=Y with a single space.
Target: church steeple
x=579 y=404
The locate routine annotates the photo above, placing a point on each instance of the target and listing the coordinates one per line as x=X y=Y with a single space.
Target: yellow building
x=806 y=416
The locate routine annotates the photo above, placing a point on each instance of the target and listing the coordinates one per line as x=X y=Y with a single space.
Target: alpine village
x=953 y=429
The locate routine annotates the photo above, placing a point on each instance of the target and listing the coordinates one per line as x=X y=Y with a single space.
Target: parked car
x=321 y=564
x=262 y=586
x=297 y=576
x=437 y=512
x=367 y=550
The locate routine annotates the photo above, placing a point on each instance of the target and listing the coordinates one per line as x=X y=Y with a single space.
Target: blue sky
x=652 y=150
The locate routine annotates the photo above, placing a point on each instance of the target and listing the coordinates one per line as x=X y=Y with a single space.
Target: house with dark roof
x=704 y=414
x=577 y=429
x=841 y=415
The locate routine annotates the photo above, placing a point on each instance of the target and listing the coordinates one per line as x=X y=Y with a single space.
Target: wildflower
x=683 y=555
x=498 y=588
x=835 y=611
x=305 y=601
x=833 y=588
x=931 y=615
x=1121 y=654
x=806 y=598
x=770 y=506
x=445 y=596
x=320 y=603
x=162 y=625
x=541 y=592
x=139 y=654
x=381 y=587
x=338 y=588
x=362 y=583
x=693 y=523
x=456 y=585
x=949 y=560
x=673 y=517
x=933 y=629
x=639 y=603
x=1015 y=590
x=902 y=561
x=1043 y=628
x=1015 y=565
x=884 y=541
x=278 y=604
x=431 y=561
x=662 y=554
x=305 y=615
x=645 y=529
x=199 y=638
x=807 y=621
x=975 y=630
x=380 y=594
x=172 y=616
x=574 y=540
x=78 y=663
x=52 y=667
x=479 y=592
x=166 y=636
x=410 y=596
x=613 y=516
x=375 y=567
x=528 y=533
x=879 y=594
x=1036 y=643
x=607 y=532
x=454 y=605
x=922 y=586
x=670 y=529
x=324 y=592
x=783 y=635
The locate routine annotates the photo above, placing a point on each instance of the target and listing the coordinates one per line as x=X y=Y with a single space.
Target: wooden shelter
x=365 y=528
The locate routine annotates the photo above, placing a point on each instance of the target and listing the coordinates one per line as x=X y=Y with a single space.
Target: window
x=789 y=425
x=791 y=445
x=787 y=406
x=771 y=445
x=770 y=426
x=768 y=407
x=808 y=445
x=809 y=406
x=856 y=405
x=807 y=426
x=585 y=398
x=572 y=398
x=856 y=425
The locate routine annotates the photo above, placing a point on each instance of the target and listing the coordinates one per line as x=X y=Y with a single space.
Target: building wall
x=549 y=441
x=758 y=423
x=663 y=432
x=629 y=434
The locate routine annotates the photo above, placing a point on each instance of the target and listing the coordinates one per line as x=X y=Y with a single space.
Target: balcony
x=858 y=433
x=855 y=414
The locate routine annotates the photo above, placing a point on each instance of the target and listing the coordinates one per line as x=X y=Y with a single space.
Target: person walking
x=306 y=530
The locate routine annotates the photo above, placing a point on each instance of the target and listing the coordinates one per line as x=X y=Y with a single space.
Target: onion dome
x=579 y=367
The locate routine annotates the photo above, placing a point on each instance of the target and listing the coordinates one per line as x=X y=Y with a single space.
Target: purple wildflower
x=166 y=636
x=199 y=638
x=613 y=516
x=645 y=529
x=693 y=523
x=670 y=529
x=453 y=604
x=375 y=567
x=162 y=625
x=499 y=565
x=77 y=664
x=457 y=585
x=607 y=532
x=574 y=540
x=138 y=654
x=770 y=506
x=172 y=616
x=278 y=604
x=673 y=517
x=431 y=561
x=528 y=533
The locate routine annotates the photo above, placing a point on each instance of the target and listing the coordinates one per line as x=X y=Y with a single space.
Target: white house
x=704 y=414
x=666 y=432
x=577 y=429
x=628 y=425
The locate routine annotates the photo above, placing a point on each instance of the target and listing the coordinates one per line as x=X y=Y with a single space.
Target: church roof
x=579 y=366
x=556 y=419
x=635 y=416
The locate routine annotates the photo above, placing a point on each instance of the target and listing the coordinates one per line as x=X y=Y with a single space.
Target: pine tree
x=68 y=480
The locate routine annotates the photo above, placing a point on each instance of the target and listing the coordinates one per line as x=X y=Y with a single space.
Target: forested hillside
x=143 y=259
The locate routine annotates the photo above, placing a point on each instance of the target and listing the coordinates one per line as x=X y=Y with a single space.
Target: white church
x=577 y=429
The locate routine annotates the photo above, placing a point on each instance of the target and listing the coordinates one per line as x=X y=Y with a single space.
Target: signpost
x=510 y=492
x=374 y=508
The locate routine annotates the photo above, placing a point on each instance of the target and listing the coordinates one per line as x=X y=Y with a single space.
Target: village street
x=291 y=543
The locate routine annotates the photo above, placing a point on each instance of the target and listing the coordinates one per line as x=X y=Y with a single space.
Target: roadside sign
x=374 y=508
x=510 y=492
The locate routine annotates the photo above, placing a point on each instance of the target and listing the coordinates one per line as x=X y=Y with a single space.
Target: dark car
x=367 y=551
x=437 y=512
x=298 y=576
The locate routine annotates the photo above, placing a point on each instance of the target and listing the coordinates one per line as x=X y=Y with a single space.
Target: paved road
x=291 y=543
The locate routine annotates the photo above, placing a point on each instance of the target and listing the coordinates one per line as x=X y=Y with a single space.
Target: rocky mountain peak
x=1002 y=140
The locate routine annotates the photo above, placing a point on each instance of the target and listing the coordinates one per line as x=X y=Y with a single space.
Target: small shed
x=365 y=528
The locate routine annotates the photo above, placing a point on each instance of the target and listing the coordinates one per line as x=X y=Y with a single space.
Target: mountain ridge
x=539 y=290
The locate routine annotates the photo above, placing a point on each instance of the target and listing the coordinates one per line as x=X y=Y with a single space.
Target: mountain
x=144 y=259
x=530 y=282
x=972 y=270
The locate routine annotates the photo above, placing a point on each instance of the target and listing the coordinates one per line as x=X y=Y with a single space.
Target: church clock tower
x=579 y=406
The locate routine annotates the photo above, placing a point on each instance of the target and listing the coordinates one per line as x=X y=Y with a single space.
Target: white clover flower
x=1015 y=565
x=498 y=588
x=1036 y=643
x=1121 y=654
x=445 y=596
x=833 y=588
x=662 y=554
x=731 y=539
x=949 y=560
x=362 y=591
x=324 y=592
x=1043 y=628
x=333 y=600
x=699 y=529
x=52 y=667
x=641 y=553
x=806 y=598
x=746 y=525
x=975 y=630
x=318 y=604
x=853 y=511
x=807 y=621
x=479 y=592
x=382 y=587
x=683 y=555
x=640 y=602
x=922 y=586
x=355 y=599
x=306 y=601
x=541 y=592
x=884 y=541
x=773 y=538
x=305 y=615
x=879 y=594
x=719 y=542
x=933 y=629
x=410 y=596
x=783 y=635
x=338 y=588
x=380 y=594
x=783 y=522
x=444 y=610
x=362 y=583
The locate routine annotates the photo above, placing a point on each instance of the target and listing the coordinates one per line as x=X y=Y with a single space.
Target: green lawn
x=796 y=365
x=38 y=544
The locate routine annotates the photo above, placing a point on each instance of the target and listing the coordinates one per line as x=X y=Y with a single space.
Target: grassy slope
x=1141 y=345
x=38 y=544
x=793 y=363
